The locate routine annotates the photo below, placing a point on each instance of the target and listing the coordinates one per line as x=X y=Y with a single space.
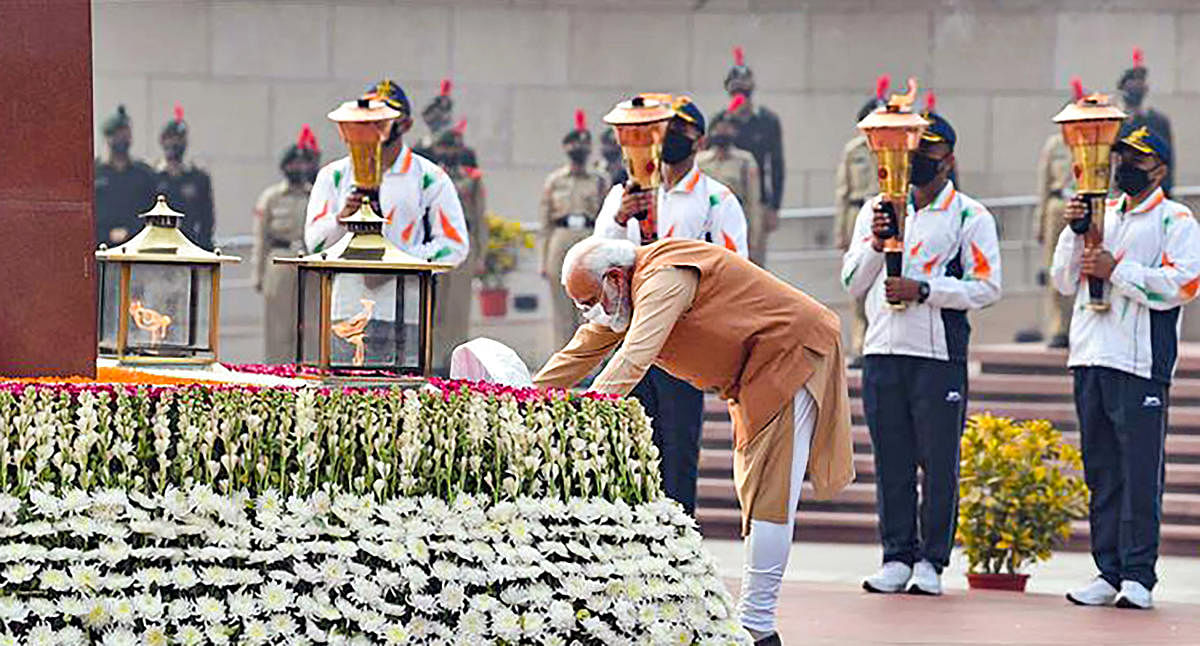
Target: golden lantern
x=640 y=125
x=1090 y=127
x=159 y=295
x=893 y=132
x=365 y=307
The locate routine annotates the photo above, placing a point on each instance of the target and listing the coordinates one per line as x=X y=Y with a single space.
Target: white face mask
x=596 y=314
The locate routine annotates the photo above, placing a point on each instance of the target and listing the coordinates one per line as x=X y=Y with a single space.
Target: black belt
x=857 y=203
x=1056 y=193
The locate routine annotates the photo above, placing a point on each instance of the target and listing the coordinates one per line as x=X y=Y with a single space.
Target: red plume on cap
x=307 y=140
x=1076 y=88
x=1139 y=58
x=178 y=112
x=739 y=56
x=445 y=88
x=580 y=119
x=930 y=102
x=881 y=86
x=461 y=126
x=736 y=102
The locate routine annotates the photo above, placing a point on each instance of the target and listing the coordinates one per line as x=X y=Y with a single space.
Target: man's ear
x=950 y=161
x=1159 y=173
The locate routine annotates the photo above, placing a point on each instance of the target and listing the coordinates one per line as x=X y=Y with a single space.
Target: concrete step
x=1181 y=447
x=1026 y=387
x=1034 y=358
x=860 y=527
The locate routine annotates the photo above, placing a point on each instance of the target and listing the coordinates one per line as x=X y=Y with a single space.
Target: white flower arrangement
x=455 y=514
x=404 y=571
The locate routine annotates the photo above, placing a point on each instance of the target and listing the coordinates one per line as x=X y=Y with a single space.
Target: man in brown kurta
x=714 y=319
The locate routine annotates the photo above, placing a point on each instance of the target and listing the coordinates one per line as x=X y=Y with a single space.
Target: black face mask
x=578 y=155
x=174 y=152
x=923 y=170
x=1131 y=179
x=1134 y=97
x=676 y=147
x=295 y=177
x=120 y=147
x=721 y=141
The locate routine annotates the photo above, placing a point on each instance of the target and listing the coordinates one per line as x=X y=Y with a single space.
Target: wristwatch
x=922 y=292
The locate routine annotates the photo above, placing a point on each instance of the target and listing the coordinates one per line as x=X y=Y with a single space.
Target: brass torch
x=1090 y=127
x=363 y=125
x=893 y=131
x=640 y=124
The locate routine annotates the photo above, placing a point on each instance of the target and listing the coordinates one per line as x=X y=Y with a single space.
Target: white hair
x=598 y=255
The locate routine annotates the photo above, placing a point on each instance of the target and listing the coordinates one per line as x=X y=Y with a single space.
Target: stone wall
x=249 y=73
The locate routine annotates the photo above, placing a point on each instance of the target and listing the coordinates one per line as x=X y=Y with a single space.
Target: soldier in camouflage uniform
x=571 y=199
x=737 y=170
x=279 y=231
x=857 y=182
x=452 y=315
x=1056 y=186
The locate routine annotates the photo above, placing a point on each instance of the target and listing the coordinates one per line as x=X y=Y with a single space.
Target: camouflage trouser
x=1057 y=309
x=563 y=311
x=858 y=328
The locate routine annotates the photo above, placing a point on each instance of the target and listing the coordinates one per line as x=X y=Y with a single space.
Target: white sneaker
x=1096 y=593
x=1134 y=595
x=892 y=577
x=925 y=580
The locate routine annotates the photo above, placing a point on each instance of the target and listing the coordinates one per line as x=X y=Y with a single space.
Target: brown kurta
x=754 y=339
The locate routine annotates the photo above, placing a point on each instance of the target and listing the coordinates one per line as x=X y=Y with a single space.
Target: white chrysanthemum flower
x=120 y=637
x=243 y=605
x=122 y=611
x=155 y=636
x=276 y=597
x=184 y=577
x=42 y=635
x=113 y=552
x=97 y=613
x=150 y=607
x=472 y=624
x=283 y=626
x=179 y=609
x=217 y=634
x=85 y=578
x=13 y=610
x=256 y=632
x=452 y=597
x=190 y=635
x=210 y=609
x=147 y=577
x=19 y=573
x=506 y=623
x=395 y=633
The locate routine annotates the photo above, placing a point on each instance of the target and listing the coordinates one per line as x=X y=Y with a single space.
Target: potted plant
x=1019 y=490
x=505 y=238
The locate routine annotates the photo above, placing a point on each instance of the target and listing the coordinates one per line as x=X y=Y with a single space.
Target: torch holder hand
x=893 y=248
x=648 y=217
x=1091 y=227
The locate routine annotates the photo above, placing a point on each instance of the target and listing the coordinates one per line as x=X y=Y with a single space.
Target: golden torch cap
x=1094 y=107
x=896 y=113
x=364 y=110
x=641 y=109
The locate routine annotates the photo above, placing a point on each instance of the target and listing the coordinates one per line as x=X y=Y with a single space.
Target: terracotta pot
x=1007 y=582
x=493 y=302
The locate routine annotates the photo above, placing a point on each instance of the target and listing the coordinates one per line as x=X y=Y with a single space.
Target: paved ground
x=822 y=603
x=817 y=613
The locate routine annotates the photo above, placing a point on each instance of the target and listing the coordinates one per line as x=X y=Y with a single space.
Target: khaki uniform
x=857 y=182
x=1056 y=185
x=452 y=315
x=278 y=231
x=570 y=202
x=737 y=170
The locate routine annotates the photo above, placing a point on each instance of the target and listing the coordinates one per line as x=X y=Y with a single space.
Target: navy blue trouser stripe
x=676 y=411
x=915 y=409
x=1123 y=426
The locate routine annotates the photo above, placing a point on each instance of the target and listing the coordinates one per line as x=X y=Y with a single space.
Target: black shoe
x=1059 y=341
x=773 y=640
x=1028 y=336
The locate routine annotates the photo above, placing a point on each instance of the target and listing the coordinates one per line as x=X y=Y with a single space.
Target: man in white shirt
x=690 y=204
x=915 y=358
x=423 y=217
x=1123 y=359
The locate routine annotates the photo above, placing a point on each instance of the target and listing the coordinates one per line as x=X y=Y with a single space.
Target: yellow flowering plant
x=505 y=239
x=1019 y=490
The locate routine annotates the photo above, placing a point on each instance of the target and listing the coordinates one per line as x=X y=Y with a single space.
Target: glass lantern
x=159 y=295
x=365 y=307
